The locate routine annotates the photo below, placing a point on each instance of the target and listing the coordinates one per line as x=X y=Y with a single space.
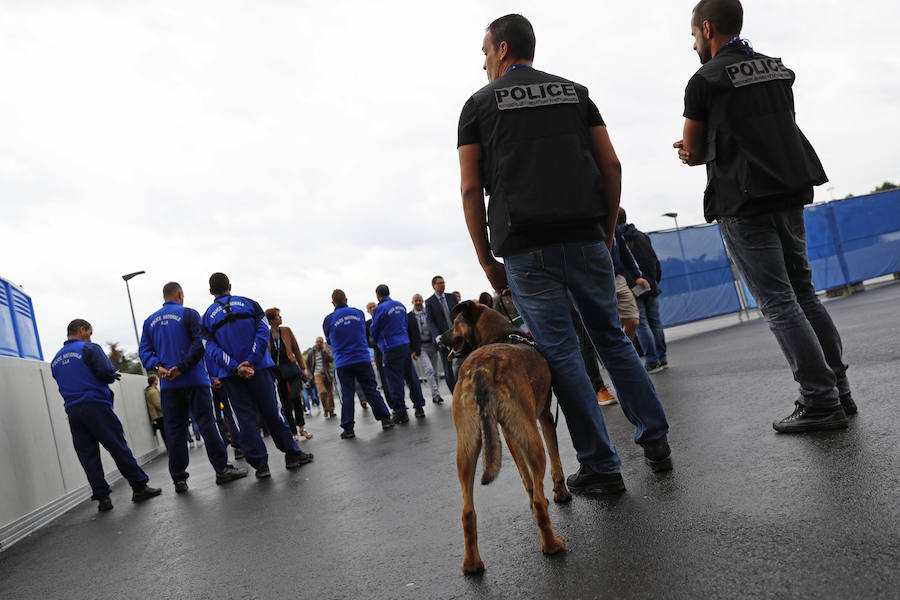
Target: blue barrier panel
x=868 y=232
x=18 y=328
x=696 y=278
x=824 y=247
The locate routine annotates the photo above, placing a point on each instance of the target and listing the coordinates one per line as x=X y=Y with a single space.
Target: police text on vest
x=757 y=70
x=536 y=94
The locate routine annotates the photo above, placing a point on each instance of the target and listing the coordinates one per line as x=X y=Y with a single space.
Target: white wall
x=41 y=475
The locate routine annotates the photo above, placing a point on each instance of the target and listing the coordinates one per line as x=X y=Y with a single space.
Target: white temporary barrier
x=39 y=470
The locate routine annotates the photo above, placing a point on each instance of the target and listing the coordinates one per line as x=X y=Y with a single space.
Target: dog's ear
x=466 y=309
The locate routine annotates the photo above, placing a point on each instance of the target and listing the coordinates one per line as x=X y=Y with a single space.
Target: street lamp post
x=130 y=305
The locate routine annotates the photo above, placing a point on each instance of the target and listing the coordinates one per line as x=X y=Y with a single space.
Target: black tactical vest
x=755 y=153
x=537 y=165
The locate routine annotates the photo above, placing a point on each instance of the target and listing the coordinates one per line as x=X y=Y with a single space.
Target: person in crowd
x=236 y=338
x=553 y=242
x=154 y=406
x=421 y=342
x=379 y=356
x=437 y=311
x=290 y=371
x=321 y=365
x=486 y=299
x=389 y=328
x=458 y=295
x=83 y=373
x=739 y=111
x=591 y=366
x=172 y=347
x=650 y=332
x=628 y=278
x=345 y=332
x=224 y=413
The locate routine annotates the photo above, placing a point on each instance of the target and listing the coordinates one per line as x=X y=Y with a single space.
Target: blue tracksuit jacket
x=345 y=332
x=172 y=337
x=389 y=323
x=83 y=373
x=235 y=330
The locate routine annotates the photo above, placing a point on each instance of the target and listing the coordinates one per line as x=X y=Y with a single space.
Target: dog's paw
x=473 y=568
x=561 y=495
x=556 y=545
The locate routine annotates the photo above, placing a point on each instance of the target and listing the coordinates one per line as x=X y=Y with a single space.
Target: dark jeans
x=348 y=376
x=541 y=282
x=770 y=251
x=650 y=330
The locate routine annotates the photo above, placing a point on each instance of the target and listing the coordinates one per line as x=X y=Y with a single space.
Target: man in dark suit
x=438 y=311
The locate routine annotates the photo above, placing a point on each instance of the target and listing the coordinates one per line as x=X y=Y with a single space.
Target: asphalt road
x=746 y=513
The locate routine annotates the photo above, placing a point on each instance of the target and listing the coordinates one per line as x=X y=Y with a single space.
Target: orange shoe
x=604 y=398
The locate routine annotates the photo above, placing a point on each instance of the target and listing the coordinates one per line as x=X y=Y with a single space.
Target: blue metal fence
x=848 y=240
x=18 y=328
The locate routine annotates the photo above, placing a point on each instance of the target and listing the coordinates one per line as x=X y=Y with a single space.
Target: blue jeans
x=541 y=282
x=650 y=330
x=770 y=252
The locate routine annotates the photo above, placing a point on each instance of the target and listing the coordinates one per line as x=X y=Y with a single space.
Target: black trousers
x=292 y=402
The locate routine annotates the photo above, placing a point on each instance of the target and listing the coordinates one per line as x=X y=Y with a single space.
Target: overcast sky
x=303 y=146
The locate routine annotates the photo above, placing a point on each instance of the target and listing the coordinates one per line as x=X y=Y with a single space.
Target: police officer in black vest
x=739 y=121
x=536 y=143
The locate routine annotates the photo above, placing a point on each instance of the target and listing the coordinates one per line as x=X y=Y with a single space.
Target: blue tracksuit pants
x=348 y=376
x=247 y=396
x=177 y=404
x=398 y=368
x=94 y=424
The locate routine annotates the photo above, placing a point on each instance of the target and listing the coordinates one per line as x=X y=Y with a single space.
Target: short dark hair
x=518 y=34
x=338 y=296
x=218 y=283
x=726 y=15
x=621 y=218
x=151 y=378
x=486 y=299
x=171 y=288
x=271 y=313
x=435 y=278
x=75 y=325
x=382 y=291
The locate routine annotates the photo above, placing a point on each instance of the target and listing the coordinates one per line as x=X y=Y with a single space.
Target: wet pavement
x=746 y=513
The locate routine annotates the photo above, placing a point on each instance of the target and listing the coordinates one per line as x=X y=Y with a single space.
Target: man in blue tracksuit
x=345 y=332
x=172 y=345
x=389 y=328
x=83 y=373
x=236 y=336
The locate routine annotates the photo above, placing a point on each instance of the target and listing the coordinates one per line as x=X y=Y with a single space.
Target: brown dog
x=506 y=383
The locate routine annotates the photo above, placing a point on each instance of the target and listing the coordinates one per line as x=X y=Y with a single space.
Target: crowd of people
x=575 y=274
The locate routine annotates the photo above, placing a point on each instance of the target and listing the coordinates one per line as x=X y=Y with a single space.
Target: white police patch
x=536 y=94
x=757 y=70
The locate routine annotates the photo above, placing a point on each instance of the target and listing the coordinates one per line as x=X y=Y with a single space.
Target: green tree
x=887 y=185
x=124 y=363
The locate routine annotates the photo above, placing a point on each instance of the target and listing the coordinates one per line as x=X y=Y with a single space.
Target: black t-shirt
x=469 y=133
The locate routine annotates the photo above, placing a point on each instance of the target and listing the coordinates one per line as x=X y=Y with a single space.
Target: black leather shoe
x=295 y=461
x=401 y=417
x=104 y=504
x=347 y=434
x=263 y=472
x=181 y=486
x=811 y=419
x=230 y=474
x=420 y=412
x=658 y=455
x=437 y=399
x=848 y=404
x=588 y=481
x=145 y=493
x=386 y=423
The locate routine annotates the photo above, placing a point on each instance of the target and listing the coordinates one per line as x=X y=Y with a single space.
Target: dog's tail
x=490 y=436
